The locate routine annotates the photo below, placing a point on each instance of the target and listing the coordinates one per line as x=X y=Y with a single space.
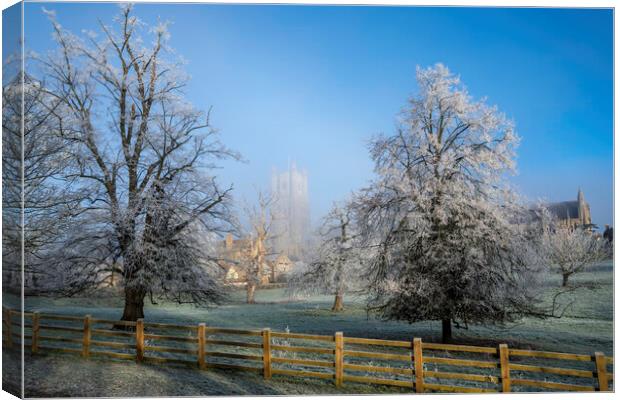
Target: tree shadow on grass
x=62 y=375
x=187 y=381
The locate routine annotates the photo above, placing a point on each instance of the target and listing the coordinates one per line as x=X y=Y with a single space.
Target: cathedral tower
x=584 y=209
x=291 y=225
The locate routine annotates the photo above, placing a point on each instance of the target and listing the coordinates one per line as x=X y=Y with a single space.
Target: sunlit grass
x=586 y=326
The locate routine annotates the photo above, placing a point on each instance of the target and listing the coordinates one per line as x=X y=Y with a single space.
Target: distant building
x=573 y=214
x=231 y=254
x=291 y=213
x=280 y=268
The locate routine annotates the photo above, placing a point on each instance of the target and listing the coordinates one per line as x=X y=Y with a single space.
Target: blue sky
x=314 y=83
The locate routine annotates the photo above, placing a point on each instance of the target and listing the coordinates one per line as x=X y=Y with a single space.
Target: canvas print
x=230 y=199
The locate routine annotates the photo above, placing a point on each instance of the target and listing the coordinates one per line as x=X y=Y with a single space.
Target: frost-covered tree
x=441 y=215
x=254 y=256
x=146 y=156
x=336 y=267
x=50 y=202
x=570 y=251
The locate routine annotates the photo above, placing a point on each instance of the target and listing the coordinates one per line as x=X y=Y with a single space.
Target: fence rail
x=422 y=367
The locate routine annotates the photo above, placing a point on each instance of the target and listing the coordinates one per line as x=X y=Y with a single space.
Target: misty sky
x=314 y=83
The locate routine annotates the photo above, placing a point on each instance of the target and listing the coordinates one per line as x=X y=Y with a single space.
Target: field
x=587 y=326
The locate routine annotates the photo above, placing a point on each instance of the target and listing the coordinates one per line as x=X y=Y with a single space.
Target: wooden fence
x=415 y=365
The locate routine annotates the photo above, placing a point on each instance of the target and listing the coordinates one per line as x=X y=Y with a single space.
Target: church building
x=574 y=213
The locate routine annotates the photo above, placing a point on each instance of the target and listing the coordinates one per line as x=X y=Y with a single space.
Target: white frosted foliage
x=147 y=157
x=440 y=215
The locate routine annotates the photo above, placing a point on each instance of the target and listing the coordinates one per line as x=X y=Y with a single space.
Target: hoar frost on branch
x=50 y=202
x=441 y=216
x=568 y=251
x=337 y=265
x=146 y=155
x=257 y=249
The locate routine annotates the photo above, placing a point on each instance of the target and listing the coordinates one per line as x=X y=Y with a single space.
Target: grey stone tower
x=584 y=209
x=291 y=214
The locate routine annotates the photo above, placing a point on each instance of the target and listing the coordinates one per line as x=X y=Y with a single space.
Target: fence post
x=139 y=339
x=86 y=338
x=35 y=332
x=601 y=371
x=339 y=358
x=504 y=367
x=418 y=367
x=7 y=321
x=267 y=353
x=202 y=329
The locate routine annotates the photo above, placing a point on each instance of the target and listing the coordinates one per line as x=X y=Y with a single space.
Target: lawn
x=587 y=326
x=52 y=375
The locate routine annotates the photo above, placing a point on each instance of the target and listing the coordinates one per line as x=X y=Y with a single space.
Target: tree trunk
x=565 y=280
x=338 y=302
x=446 y=330
x=251 y=289
x=134 y=306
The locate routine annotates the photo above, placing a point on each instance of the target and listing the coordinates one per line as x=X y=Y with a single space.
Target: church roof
x=565 y=209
